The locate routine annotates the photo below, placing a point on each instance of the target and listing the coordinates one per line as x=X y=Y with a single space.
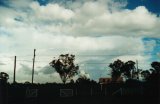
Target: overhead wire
x=78 y=55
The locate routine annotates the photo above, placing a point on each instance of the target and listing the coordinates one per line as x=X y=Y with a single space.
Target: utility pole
x=137 y=64
x=33 y=65
x=137 y=69
x=14 y=75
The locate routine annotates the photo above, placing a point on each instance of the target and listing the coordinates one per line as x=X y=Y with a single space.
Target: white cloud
x=43 y=78
x=52 y=46
x=19 y=4
x=92 y=18
x=124 y=22
x=51 y=12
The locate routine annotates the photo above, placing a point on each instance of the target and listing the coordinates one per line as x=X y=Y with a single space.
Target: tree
x=156 y=66
x=65 y=66
x=155 y=72
x=4 y=76
x=152 y=74
x=116 y=67
x=153 y=79
x=129 y=69
x=120 y=68
x=145 y=74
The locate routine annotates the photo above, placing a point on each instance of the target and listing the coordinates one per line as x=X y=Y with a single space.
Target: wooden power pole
x=33 y=65
x=137 y=65
x=14 y=75
x=137 y=69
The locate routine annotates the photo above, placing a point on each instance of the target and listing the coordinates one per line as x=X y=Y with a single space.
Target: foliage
x=156 y=66
x=126 y=68
x=154 y=77
x=145 y=74
x=4 y=76
x=65 y=66
x=116 y=67
x=129 y=69
x=153 y=74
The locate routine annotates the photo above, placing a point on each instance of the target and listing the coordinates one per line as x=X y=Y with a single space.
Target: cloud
x=92 y=18
x=43 y=78
x=25 y=69
x=96 y=18
x=83 y=74
x=124 y=23
x=24 y=73
x=1 y=63
x=51 y=12
x=47 y=70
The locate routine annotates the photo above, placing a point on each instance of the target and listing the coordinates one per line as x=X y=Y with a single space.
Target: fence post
x=121 y=91
x=76 y=92
x=91 y=91
x=105 y=91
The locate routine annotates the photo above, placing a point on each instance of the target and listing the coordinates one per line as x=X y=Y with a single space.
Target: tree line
x=66 y=68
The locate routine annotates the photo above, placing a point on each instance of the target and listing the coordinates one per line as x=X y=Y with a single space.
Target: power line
x=84 y=55
x=80 y=62
x=78 y=55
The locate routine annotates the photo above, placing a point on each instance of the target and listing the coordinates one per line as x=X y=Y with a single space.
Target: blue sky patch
x=152 y=5
x=155 y=52
x=43 y=2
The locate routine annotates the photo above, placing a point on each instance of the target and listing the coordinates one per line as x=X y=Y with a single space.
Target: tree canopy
x=65 y=66
x=126 y=68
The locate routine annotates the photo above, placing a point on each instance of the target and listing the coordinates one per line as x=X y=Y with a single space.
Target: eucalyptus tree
x=65 y=66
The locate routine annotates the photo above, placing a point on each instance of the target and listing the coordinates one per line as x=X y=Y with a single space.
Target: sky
x=98 y=32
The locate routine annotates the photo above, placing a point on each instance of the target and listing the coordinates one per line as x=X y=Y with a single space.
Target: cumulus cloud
x=43 y=78
x=1 y=63
x=83 y=74
x=95 y=18
x=51 y=12
x=92 y=18
x=126 y=22
x=45 y=74
x=47 y=70
x=26 y=69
